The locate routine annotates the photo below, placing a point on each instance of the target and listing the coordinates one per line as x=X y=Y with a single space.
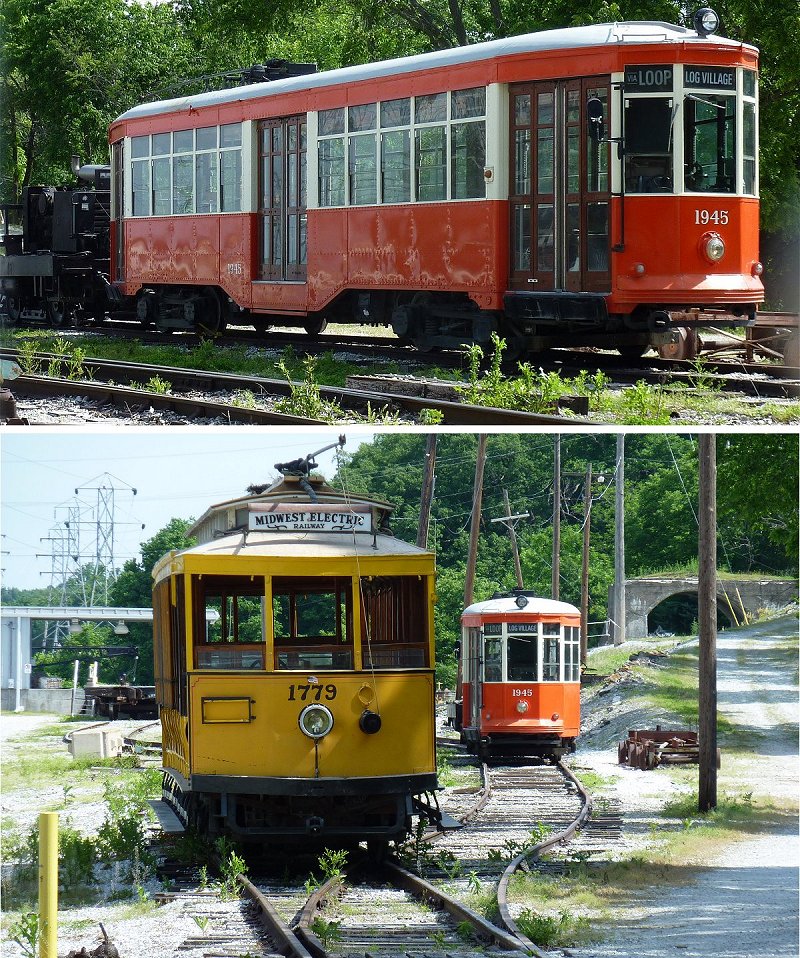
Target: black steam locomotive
x=57 y=247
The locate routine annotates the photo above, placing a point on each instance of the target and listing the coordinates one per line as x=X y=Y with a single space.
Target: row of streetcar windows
x=432 y=148
x=423 y=149
x=311 y=622
x=187 y=171
x=533 y=653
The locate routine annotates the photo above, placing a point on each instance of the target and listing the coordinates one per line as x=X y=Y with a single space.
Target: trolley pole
x=48 y=885
x=555 y=583
x=707 y=622
x=427 y=491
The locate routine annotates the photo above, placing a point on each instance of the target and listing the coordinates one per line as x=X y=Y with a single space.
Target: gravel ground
x=743 y=902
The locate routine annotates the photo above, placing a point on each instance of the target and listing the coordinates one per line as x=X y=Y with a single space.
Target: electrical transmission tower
x=103 y=565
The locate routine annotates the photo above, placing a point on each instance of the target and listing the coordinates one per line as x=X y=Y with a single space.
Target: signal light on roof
x=706 y=21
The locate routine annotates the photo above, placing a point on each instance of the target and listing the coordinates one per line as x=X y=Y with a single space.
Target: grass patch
x=606 y=660
x=29 y=771
x=591 y=781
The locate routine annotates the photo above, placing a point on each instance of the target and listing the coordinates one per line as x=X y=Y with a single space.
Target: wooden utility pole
x=707 y=621
x=555 y=582
x=426 y=500
x=587 y=519
x=477 y=499
x=512 y=534
x=619 y=545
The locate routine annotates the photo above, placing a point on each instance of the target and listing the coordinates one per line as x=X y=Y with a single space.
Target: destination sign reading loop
x=319 y=518
x=650 y=78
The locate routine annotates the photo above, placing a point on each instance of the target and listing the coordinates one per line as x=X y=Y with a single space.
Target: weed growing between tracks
x=531 y=390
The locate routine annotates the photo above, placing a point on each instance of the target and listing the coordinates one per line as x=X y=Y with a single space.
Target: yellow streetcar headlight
x=315 y=721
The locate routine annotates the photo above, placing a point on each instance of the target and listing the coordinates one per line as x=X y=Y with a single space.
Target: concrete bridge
x=643 y=595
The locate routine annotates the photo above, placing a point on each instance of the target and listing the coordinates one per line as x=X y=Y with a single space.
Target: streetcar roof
x=633 y=32
x=320 y=545
x=507 y=606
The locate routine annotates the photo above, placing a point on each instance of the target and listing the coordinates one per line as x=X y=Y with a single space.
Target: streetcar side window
x=551 y=641
x=493 y=660
x=228 y=614
x=572 y=653
x=312 y=623
x=709 y=127
x=649 y=144
x=188 y=171
x=394 y=630
x=749 y=133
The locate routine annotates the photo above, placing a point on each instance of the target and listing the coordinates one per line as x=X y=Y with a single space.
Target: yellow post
x=744 y=611
x=48 y=885
x=730 y=606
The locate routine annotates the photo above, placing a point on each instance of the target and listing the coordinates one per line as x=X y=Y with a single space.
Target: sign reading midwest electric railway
x=286 y=518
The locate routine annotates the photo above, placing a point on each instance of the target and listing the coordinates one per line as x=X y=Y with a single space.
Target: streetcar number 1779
x=312 y=692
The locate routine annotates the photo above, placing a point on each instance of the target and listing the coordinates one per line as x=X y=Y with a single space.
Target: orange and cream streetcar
x=520 y=676
x=588 y=185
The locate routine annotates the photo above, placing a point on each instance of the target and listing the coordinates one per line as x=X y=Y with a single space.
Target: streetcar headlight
x=706 y=21
x=522 y=707
x=712 y=246
x=315 y=721
x=757 y=269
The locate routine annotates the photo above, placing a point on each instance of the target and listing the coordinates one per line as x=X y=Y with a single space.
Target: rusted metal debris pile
x=649 y=748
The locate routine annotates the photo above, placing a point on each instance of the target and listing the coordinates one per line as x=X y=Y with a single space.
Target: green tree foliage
x=69 y=68
x=134 y=587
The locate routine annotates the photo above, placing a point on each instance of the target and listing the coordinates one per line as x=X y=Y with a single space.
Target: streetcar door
x=559 y=189
x=282 y=198
x=118 y=210
x=474 y=671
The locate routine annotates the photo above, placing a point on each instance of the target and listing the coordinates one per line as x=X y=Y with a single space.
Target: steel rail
x=125 y=396
x=534 y=852
x=392 y=872
x=288 y=943
x=453 y=413
x=402 y=878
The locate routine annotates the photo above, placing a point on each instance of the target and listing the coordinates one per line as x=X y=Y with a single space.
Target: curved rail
x=534 y=852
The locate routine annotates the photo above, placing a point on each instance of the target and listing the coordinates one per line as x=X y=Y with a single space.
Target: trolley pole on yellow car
x=48 y=885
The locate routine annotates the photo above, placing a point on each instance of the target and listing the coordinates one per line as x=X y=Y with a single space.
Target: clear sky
x=175 y=473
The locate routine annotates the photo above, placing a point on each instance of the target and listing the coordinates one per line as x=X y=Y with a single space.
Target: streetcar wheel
x=686 y=347
x=209 y=319
x=314 y=325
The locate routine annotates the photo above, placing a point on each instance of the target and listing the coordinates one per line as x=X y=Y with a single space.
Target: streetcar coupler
x=427 y=807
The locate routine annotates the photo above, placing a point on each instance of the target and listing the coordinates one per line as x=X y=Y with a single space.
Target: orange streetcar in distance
x=520 y=676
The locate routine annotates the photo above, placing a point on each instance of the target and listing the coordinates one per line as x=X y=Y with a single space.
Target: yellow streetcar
x=294 y=668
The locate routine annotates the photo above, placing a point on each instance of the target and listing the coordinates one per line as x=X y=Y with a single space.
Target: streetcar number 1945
x=704 y=217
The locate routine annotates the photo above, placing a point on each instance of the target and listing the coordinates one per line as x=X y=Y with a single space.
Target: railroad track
x=387 y=349
x=413 y=907
x=392 y=910
x=356 y=402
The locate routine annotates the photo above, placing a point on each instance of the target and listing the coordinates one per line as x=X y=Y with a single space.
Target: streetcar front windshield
x=709 y=127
